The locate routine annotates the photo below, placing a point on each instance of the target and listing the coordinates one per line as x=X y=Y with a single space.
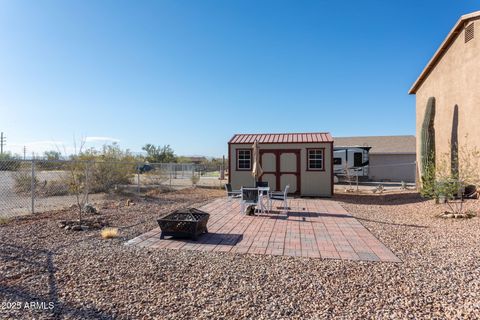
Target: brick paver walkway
x=316 y=228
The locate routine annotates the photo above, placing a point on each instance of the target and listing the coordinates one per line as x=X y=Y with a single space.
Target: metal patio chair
x=249 y=198
x=262 y=184
x=232 y=194
x=280 y=196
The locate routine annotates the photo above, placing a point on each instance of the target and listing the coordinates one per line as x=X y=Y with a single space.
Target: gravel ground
x=87 y=277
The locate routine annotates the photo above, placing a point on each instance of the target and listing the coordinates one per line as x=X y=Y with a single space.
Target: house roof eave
x=441 y=50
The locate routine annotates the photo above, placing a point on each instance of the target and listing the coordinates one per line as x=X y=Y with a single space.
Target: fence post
x=33 y=186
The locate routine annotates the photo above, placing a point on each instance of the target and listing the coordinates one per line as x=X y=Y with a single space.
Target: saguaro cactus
x=427 y=145
x=454 y=144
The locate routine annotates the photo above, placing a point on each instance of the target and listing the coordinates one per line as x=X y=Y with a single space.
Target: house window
x=337 y=161
x=244 y=159
x=315 y=159
x=469 y=32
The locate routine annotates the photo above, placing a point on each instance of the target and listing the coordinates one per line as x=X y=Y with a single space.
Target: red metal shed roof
x=312 y=137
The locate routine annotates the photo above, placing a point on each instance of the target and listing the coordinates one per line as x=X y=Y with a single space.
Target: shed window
x=337 y=161
x=244 y=160
x=469 y=32
x=315 y=159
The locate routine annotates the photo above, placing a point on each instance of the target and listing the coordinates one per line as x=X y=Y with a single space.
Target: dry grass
x=109 y=233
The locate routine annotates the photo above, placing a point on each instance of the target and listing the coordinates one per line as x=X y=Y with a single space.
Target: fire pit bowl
x=184 y=223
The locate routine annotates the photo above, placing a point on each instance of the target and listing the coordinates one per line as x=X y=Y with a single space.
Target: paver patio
x=317 y=228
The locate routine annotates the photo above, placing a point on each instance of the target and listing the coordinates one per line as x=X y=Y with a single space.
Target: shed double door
x=280 y=168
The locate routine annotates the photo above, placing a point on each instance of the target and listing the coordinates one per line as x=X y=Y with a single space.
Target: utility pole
x=3 y=140
x=24 y=152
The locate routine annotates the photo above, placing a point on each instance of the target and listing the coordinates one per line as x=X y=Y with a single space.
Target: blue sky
x=193 y=73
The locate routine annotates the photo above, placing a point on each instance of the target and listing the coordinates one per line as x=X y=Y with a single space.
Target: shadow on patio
x=213 y=238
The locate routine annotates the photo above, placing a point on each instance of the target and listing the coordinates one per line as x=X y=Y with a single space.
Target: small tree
x=52 y=155
x=159 y=154
x=449 y=182
x=77 y=175
x=109 y=167
x=52 y=161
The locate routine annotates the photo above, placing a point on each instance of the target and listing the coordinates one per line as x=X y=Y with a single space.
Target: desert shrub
x=109 y=233
x=23 y=185
x=23 y=182
x=195 y=179
x=9 y=163
x=429 y=181
x=157 y=177
x=50 y=165
x=104 y=176
x=99 y=176
x=439 y=178
x=448 y=187
x=107 y=168
x=158 y=191
x=55 y=188
x=450 y=178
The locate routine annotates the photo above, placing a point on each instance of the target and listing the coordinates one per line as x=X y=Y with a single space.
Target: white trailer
x=352 y=158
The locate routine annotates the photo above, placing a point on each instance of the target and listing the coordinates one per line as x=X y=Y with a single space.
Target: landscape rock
x=89 y=208
x=89 y=278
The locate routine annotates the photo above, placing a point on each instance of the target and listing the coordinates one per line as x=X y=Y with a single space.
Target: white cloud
x=101 y=139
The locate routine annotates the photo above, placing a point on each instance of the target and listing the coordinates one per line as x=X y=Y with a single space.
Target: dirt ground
x=78 y=275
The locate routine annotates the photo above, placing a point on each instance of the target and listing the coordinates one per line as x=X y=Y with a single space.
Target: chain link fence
x=30 y=186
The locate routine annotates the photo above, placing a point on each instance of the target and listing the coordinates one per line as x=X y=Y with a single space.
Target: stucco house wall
x=454 y=79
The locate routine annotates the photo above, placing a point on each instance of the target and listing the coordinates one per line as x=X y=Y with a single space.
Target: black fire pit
x=183 y=223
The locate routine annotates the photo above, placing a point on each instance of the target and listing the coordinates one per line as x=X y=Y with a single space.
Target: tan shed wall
x=392 y=167
x=455 y=80
x=313 y=183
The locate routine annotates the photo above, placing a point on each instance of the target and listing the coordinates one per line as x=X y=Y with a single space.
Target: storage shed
x=301 y=160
